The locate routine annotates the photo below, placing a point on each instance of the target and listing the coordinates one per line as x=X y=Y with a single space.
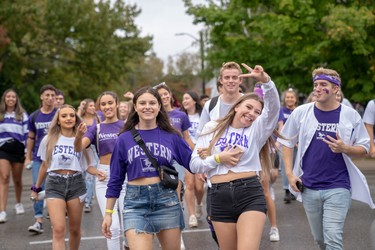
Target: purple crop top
x=108 y=135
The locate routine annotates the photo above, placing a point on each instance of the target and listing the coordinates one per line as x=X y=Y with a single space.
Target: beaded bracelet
x=35 y=189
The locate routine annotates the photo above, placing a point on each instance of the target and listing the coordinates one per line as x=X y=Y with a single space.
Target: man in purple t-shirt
x=328 y=135
x=38 y=125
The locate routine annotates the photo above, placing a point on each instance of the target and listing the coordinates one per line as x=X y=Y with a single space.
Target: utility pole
x=201 y=42
x=202 y=51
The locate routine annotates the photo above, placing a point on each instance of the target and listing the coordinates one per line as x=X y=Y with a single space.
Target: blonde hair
x=289 y=90
x=54 y=132
x=230 y=65
x=330 y=72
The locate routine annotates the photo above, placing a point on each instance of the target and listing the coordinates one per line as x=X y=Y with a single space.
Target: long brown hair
x=162 y=119
x=18 y=109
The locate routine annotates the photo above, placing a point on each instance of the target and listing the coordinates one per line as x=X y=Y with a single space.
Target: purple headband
x=329 y=78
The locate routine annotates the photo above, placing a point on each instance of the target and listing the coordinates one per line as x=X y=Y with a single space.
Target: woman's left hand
x=101 y=175
x=258 y=74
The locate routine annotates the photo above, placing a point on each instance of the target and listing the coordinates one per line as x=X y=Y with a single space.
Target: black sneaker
x=287 y=197
x=293 y=197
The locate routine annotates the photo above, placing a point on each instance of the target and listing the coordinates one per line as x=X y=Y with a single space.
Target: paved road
x=292 y=223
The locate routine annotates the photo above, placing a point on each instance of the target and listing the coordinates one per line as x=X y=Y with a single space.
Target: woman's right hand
x=106 y=226
x=81 y=129
x=231 y=156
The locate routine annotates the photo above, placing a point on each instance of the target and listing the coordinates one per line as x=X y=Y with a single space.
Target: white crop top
x=63 y=155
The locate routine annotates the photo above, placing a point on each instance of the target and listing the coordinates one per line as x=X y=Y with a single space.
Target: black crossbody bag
x=168 y=176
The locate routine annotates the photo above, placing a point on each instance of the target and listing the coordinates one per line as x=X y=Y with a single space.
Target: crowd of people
x=231 y=146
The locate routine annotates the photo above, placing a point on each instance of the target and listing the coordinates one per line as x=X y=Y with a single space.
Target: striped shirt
x=11 y=128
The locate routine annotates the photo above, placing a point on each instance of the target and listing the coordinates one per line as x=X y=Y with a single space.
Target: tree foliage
x=292 y=37
x=81 y=47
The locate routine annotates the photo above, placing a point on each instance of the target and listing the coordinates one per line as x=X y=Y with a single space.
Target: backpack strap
x=213 y=103
x=97 y=137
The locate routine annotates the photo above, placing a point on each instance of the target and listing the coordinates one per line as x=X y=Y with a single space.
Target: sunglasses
x=159 y=85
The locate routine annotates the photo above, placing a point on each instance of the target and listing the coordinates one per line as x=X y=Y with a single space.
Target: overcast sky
x=163 y=19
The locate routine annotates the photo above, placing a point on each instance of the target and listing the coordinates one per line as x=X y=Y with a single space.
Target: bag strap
x=138 y=139
x=97 y=137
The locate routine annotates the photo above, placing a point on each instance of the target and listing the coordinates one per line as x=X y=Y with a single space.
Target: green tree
x=183 y=73
x=82 y=47
x=292 y=37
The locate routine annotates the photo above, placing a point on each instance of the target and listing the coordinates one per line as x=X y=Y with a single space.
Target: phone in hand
x=300 y=186
x=236 y=149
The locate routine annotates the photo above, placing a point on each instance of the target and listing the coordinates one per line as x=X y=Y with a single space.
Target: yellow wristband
x=217 y=158
x=110 y=211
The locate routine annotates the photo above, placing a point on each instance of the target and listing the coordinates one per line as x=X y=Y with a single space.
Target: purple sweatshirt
x=129 y=159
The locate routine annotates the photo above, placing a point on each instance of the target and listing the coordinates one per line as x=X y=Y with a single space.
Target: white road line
x=50 y=241
x=102 y=237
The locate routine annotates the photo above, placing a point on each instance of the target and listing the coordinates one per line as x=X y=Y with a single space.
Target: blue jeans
x=282 y=166
x=326 y=212
x=38 y=205
x=90 y=186
x=151 y=208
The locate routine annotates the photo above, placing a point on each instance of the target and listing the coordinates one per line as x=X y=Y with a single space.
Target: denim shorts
x=151 y=208
x=65 y=186
x=228 y=200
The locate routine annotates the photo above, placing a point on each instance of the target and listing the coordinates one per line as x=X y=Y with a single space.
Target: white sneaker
x=182 y=243
x=19 y=208
x=193 y=222
x=36 y=228
x=274 y=234
x=3 y=217
x=198 y=211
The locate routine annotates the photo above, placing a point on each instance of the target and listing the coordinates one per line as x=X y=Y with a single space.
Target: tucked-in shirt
x=179 y=120
x=10 y=128
x=108 y=134
x=129 y=159
x=324 y=169
x=40 y=127
x=284 y=114
x=63 y=155
x=193 y=130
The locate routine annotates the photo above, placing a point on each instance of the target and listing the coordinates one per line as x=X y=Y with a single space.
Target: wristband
x=217 y=158
x=110 y=211
x=35 y=189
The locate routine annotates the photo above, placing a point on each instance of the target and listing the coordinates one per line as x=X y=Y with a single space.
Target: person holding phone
x=329 y=134
x=238 y=149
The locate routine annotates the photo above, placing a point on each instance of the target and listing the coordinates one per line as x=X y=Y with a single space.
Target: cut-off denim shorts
x=228 y=200
x=151 y=208
x=65 y=186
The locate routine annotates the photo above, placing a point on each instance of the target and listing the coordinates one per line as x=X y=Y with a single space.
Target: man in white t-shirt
x=369 y=120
